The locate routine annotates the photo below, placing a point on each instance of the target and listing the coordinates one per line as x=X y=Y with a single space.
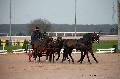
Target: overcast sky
x=58 y=11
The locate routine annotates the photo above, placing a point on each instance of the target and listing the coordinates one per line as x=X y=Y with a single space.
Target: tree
x=43 y=24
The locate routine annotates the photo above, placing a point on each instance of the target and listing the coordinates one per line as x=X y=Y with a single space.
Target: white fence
x=64 y=35
x=74 y=51
x=109 y=50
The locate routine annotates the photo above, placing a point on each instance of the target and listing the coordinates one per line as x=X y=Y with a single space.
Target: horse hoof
x=29 y=60
x=73 y=62
x=97 y=62
x=56 y=59
x=61 y=61
x=80 y=62
x=90 y=63
x=69 y=61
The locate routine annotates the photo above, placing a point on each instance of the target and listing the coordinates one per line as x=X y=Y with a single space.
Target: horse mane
x=87 y=38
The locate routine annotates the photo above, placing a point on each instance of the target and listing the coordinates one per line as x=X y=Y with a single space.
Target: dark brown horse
x=40 y=48
x=69 y=45
x=50 y=49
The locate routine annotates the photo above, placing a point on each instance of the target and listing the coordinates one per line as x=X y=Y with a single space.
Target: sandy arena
x=16 y=66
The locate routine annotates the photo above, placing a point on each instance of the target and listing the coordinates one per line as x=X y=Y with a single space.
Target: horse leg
x=46 y=57
x=81 y=56
x=39 y=58
x=50 y=57
x=29 y=58
x=88 y=58
x=47 y=54
x=63 y=59
x=58 y=52
x=33 y=51
x=53 y=51
x=94 y=57
x=30 y=55
x=67 y=58
x=35 y=58
x=53 y=57
x=64 y=56
x=71 y=56
x=35 y=54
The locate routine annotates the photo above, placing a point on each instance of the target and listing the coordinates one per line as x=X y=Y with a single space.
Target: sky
x=59 y=11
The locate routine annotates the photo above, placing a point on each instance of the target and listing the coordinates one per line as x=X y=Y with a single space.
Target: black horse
x=58 y=46
x=85 y=45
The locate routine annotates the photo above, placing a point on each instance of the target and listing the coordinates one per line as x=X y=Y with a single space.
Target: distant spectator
x=25 y=45
x=7 y=43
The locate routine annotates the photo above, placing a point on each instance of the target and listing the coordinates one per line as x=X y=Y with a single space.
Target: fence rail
x=102 y=37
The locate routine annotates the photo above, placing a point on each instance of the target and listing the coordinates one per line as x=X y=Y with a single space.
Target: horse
x=50 y=50
x=40 y=47
x=68 y=45
x=85 y=45
x=58 y=44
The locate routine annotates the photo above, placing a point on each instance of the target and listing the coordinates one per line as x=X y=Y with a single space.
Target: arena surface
x=16 y=66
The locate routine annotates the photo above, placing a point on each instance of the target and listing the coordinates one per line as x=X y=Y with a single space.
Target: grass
x=10 y=47
x=105 y=44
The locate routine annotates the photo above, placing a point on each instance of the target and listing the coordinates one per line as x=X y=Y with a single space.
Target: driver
x=36 y=35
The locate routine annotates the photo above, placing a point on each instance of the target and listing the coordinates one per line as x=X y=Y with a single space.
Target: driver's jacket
x=36 y=35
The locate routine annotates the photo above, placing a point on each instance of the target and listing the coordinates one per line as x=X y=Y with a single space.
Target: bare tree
x=43 y=24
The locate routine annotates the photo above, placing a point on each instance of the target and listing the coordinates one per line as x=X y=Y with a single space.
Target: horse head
x=95 y=37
